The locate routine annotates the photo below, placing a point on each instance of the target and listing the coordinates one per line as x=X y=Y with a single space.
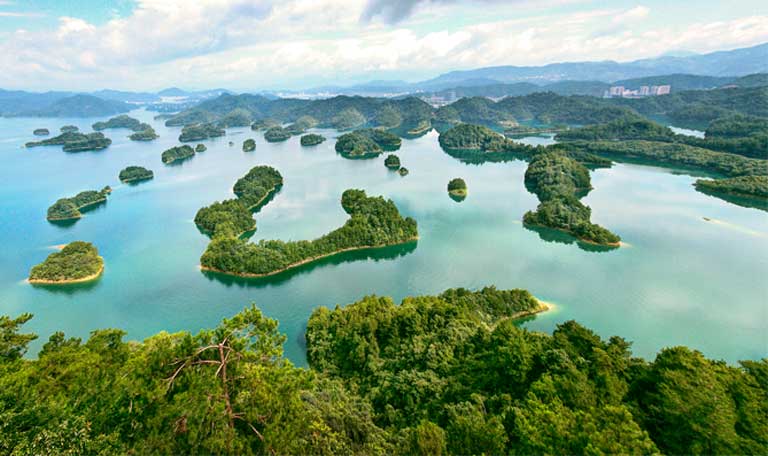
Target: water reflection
x=561 y=237
x=68 y=288
x=375 y=254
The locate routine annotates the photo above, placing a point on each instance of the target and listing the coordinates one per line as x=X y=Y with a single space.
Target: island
x=70 y=208
x=276 y=134
x=69 y=129
x=748 y=191
x=232 y=218
x=559 y=181
x=392 y=162
x=198 y=132
x=403 y=171
x=41 y=132
x=74 y=141
x=472 y=137
x=177 y=154
x=78 y=261
x=356 y=145
x=457 y=187
x=311 y=139
x=200 y=148
x=374 y=222
x=249 y=145
x=135 y=174
x=386 y=140
x=264 y=124
x=121 y=121
x=146 y=133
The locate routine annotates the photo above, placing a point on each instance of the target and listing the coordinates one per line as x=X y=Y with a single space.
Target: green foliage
x=121 y=121
x=74 y=141
x=472 y=137
x=628 y=127
x=12 y=344
x=475 y=110
x=347 y=119
x=357 y=145
x=276 y=134
x=373 y=222
x=392 y=162
x=737 y=126
x=146 y=133
x=457 y=186
x=311 y=139
x=249 y=145
x=198 y=132
x=41 y=132
x=558 y=181
x=385 y=139
x=135 y=173
x=232 y=218
x=403 y=171
x=388 y=117
x=748 y=191
x=264 y=124
x=77 y=260
x=200 y=148
x=69 y=129
x=177 y=153
x=237 y=117
x=69 y=208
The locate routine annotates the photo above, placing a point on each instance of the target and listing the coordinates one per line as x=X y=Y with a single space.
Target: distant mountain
x=13 y=102
x=79 y=105
x=737 y=62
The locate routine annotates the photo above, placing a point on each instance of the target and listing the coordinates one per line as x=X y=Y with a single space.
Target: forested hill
x=694 y=107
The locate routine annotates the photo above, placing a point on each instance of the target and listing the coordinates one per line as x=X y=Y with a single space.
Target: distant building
x=616 y=91
x=664 y=90
x=645 y=91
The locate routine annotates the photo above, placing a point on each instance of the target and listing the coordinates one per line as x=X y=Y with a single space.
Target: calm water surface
x=680 y=280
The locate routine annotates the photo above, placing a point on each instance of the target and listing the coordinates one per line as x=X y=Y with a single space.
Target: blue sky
x=269 y=44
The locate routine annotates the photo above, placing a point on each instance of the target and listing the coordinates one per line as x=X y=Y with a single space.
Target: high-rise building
x=645 y=91
x=616 y=91
x=664 y=89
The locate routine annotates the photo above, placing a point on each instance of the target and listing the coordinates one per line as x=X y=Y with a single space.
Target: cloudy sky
x=271 y=44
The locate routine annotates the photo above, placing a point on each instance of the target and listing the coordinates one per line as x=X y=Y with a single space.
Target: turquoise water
x=681 y=280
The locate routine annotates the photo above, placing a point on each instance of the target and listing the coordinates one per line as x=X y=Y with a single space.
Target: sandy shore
x=65 y=282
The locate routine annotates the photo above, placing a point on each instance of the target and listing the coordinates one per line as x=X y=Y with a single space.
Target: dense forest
x=357 y=145
x=753 y=188
x=373 y=222
x=392 y=162
x=457 y=187
x=249 y=145
x=121 y=121
x=145 y=133
x=276 y=134
x=559 y=181
x=74 y=141
x=311 y=139
x=135 y=174
x=232 y=217
x=446 y=374
x=69 y=208
x=198 y=132
x=76 y=262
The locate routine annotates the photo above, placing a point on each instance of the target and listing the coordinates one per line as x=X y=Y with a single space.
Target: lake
x=680 y=280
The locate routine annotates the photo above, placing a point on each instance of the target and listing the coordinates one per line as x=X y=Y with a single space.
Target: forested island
x=146 y=133
x=403 y=171
x=78 y=261
x=198 y=132
x=69 y=129
x=754 y=188
x=472 y=137
x=385 y=139
x=41 y=132
x=356 y=145
x=200 y=148
x=135 y=174
x=373 y=222
x=392 y=162
x=446 y=374
x=177 y=154
x=70 y=208
x=276 y=134
x=311 y=139
x=73 y=141
x=232 y=217
x=457 y=187
x=559 y=182
x=121 y=121
x=249 y=145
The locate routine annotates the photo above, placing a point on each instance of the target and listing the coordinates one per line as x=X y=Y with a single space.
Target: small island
x=311 y=139
x=249 y=145
x=200 y=148
x=374 y=222
x=41 y=132
x=146 y=133
x=177 y=154
x=77 y=262
x=403 y=171
x=121 y=121
x=559 y=181
x=233 y=217
x=69 y=129
x=392 y=162
x=457 y=187
x=135 y=174
x=70 y=208
x=198 y=132
x=472 y=137
x=276 y=134
x=356 y=145
x=74 y=141
x=385 y=140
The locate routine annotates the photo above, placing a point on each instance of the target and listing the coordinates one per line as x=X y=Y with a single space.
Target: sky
x=254 y=45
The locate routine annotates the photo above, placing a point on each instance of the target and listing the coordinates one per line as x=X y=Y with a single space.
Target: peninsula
x=374 y=222
x=77 y=262
x=70 y=208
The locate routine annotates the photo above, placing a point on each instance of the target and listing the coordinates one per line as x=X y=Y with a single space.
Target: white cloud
x=298 y=43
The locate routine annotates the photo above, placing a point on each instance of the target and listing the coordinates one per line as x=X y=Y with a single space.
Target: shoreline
x=79 y=208
x=248 y=275
x=89 y=278
x=610 y=244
